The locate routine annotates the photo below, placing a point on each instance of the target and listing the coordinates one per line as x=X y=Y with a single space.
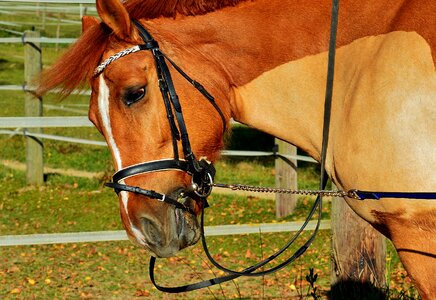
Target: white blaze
x=103 y=106
x=104 y=110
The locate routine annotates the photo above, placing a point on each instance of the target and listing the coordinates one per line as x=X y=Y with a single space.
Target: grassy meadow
x=119 y=270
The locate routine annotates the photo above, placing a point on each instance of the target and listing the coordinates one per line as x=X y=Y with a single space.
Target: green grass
x=119 y=269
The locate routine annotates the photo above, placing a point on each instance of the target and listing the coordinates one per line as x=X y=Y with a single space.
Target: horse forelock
x=77 y=65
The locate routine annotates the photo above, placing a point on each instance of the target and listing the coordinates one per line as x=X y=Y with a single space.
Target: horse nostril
x=152 y=233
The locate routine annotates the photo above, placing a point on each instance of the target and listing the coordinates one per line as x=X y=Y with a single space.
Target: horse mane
x=150 y=9
x=76 y=66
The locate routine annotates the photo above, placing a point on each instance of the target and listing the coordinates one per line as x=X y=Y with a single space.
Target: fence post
x=33 y=108
x=58 y=31
x=359 y=251
x=286 y=177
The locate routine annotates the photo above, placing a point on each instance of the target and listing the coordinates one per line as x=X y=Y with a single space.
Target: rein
x=203 y=172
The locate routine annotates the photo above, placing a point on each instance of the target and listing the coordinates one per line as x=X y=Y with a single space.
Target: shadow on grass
x=349 y=289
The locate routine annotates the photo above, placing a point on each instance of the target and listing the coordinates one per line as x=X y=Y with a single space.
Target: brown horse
x=265 y=61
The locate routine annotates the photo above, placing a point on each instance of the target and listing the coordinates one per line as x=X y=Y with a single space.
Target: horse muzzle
x=162 y=228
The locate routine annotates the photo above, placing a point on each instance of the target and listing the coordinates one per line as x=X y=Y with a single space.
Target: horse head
x=129 y=109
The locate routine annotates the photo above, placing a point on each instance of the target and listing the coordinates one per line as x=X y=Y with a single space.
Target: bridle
x=202 y=171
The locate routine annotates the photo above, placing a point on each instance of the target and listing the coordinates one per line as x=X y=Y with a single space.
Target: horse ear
x=115 y=16
x=88 y=22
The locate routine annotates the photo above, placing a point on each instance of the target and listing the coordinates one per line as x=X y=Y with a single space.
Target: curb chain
x=261 y=189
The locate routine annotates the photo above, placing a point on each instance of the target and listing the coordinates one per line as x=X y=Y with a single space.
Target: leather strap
x=200 y=88
x=187 y=287
x=174 y=114
x=118 y=187
x=151 y=166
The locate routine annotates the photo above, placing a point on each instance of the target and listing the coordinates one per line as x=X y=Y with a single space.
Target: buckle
x=203 y=189
x=353 y=194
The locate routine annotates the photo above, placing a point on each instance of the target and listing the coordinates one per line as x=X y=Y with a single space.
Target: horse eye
x=134 y=95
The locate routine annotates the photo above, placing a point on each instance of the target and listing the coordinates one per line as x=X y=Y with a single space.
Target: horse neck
x=272 y=55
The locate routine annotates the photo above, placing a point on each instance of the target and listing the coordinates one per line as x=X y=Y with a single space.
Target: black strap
x=151 y=166
x=170 y=98
x=329 y=88
x=250 y=271
x=146 y=36
x=200 y=88
x=178 y=132
x=165 y=76
x=188 y=287
x=118 y=187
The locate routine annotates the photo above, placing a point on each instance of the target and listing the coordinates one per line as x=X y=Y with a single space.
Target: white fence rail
x=50 y=122
x=44 y=122
x=44 y=40
x=120 y=235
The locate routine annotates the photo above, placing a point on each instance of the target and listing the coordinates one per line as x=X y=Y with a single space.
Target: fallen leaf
x=142 y=293
x=248 y=254
x=15 y=291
